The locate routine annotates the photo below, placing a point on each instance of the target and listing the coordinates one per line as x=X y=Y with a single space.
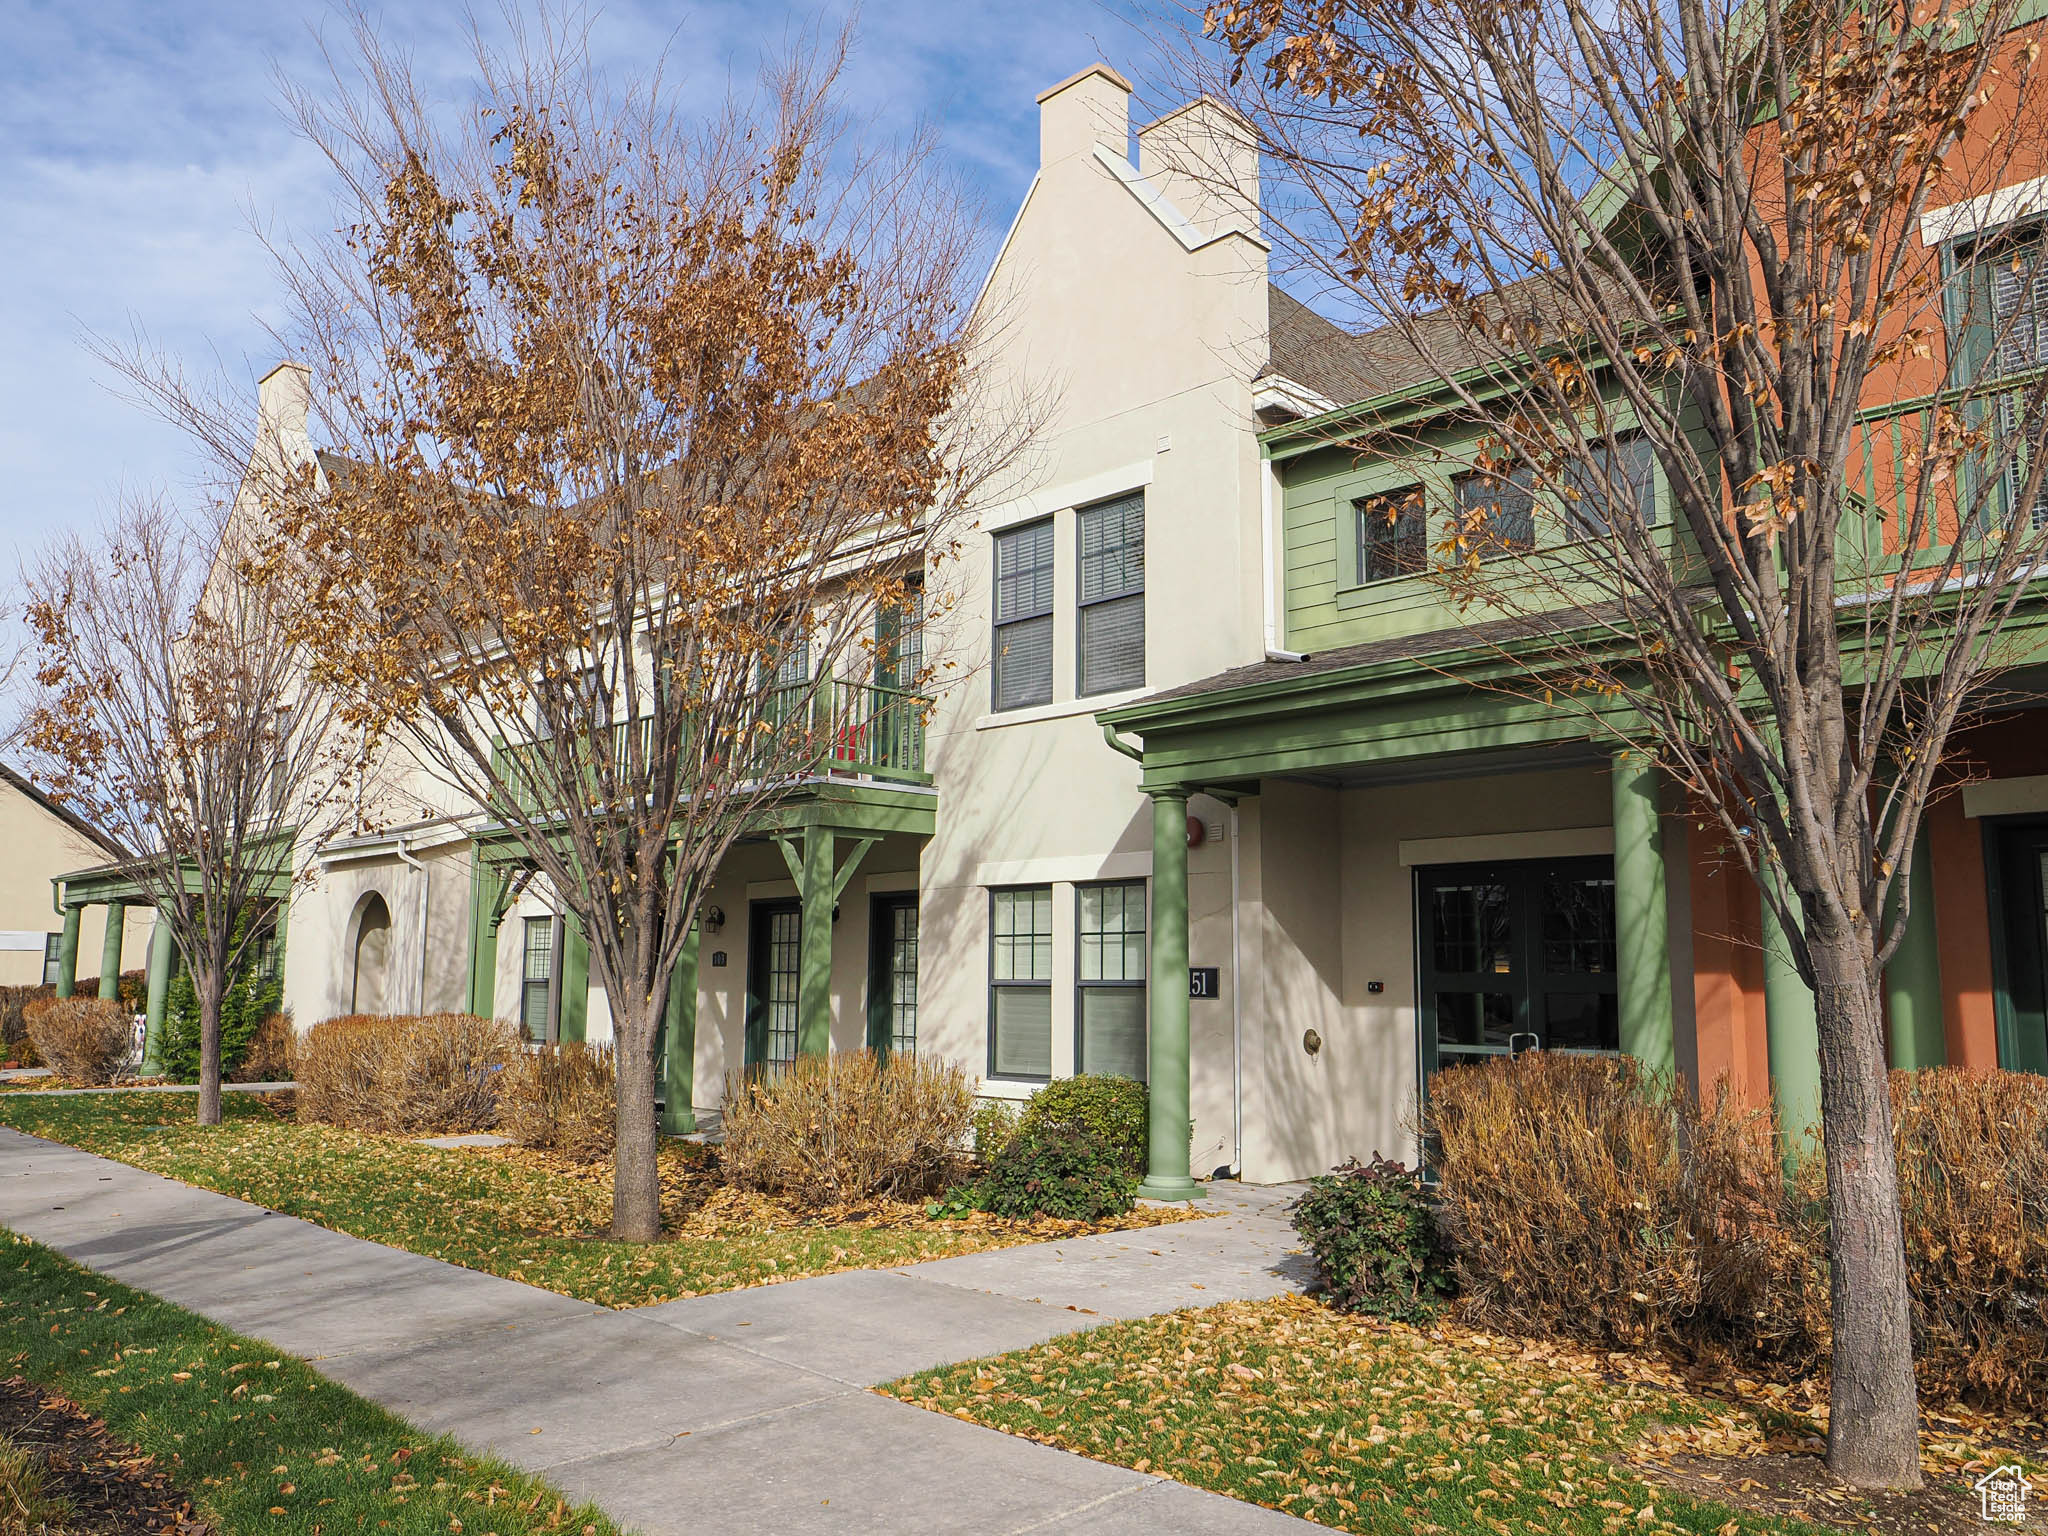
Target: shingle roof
x=1495 y=632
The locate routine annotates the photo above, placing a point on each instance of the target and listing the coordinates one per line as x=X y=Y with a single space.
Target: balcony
x=856 y=732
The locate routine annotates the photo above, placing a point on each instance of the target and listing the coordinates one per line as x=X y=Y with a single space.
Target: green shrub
x=995 y=1122
x=1372 y=1234
x=250 y=998
x=1114 y=1109
x=1057 y=1168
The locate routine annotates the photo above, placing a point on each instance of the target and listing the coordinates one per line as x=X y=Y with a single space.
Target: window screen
x=1023 y=617
x=1020 y=982
x=1112 y=618
x=1393 y=535
x=2019 y=329
x=1110 y=1011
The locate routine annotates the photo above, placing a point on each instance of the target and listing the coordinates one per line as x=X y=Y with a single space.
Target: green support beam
x=1793 y=1033
x=575 y=981
x=67 y=952
x=163 y=955
x=1642 y=916
x=818 y=885
x=814 y=960
x=679 y=1044
x=1170 y=1128
x=1912 y=982
x=110 y=950
x=488 y=888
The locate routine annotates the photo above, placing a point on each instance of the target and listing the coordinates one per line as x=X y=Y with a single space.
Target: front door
x=774 y=948
x=2020 y=908
x=1516 y=956
x=892 y=973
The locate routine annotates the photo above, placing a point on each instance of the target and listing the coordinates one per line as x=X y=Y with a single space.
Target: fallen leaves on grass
x=528 y=1216
x=1375 y=1427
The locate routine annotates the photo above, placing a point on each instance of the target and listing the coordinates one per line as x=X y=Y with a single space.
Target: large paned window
x=1999 y=327
x=1023 y=617
x=536 y=977
x=1020 y=982
x=1112 y=607
x=1110 y=1007
x=1618 y=484
x=1393 y=534
x=53 y=957
x=1496 y=512
x=899 y=641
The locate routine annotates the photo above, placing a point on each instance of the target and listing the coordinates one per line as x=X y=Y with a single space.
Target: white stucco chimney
x=1082 y=111
x=284 y=397
x=1205 y=158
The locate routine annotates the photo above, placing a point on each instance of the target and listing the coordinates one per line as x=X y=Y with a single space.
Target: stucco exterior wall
x=40 y=845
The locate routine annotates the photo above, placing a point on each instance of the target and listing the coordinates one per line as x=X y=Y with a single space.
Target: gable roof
x=63 y=813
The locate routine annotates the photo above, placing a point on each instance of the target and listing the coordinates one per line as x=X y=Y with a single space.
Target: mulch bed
x=113 y=1489
x=1799 y=1486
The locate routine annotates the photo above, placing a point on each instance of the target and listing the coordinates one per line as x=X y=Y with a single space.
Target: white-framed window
x=1020 y=982
x=1112 y=594
x=1109 y=1009
x=1023 y=617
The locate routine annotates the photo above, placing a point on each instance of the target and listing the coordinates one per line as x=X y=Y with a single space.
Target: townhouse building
x=1212 y=787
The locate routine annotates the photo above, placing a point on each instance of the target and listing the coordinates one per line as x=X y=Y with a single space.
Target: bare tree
x=646 y=436
x=1690 y=235
x=171 y=707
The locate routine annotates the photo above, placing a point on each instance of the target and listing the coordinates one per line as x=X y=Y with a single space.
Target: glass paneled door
x=892 y=973
x=2019 y=905
x=1515 y=956
x=774 y=951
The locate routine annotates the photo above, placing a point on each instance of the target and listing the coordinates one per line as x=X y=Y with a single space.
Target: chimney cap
x=1097 y=68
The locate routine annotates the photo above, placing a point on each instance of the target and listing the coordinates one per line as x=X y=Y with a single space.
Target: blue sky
x=141 y=139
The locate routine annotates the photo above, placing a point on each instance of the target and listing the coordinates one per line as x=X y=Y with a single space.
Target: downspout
x=1135 y=754
x=1268 y=552
x=426 y=888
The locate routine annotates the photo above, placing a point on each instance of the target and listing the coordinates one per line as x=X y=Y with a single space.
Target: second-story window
x=1998 y=316
x=1624 y=484
x=1023 y=617
x=1112 y=626
x=1393 y=535
x=1496 y=512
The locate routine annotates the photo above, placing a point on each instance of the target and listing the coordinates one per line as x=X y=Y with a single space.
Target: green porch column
x=575 y=980
x=1166 y=1176
x=163 y=953
x=486 y=906
x=67 y=952
x=1912 y=982
x=679 y=1044
x=1642 y=916
x=814 y=961
x=110 y=950
x=1793 y=1034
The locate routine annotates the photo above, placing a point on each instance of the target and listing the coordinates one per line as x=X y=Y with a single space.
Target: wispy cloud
x=142 y=140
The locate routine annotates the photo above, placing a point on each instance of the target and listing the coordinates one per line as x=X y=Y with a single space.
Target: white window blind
x=1112 y=627
x=1023 y=617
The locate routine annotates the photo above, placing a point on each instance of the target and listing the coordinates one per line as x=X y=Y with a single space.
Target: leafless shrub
x=435 y=1074
x=272 y=1052
x=561 y=1099
x=82 y=1039
x=848 y=1127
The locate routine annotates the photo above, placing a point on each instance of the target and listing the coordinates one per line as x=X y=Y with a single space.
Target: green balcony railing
x=838 y=729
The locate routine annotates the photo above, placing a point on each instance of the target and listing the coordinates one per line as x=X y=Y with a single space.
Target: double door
x=1516 y=956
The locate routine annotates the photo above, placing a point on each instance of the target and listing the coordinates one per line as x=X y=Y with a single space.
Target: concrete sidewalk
x=741 y=1412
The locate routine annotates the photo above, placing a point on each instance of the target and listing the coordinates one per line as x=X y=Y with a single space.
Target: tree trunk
x=636 y=1181
x=1873 y=1423
x=209 y=991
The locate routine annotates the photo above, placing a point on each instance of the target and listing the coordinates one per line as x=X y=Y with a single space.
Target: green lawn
x=496 y=1213
x=259 y=1441
x=1369 y=1428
